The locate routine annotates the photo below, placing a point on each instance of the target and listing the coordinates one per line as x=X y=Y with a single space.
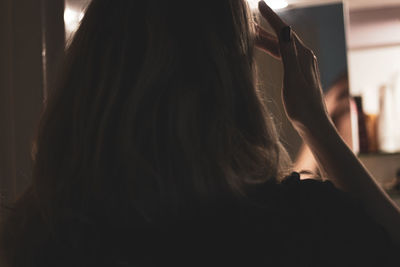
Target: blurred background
x=357 y=43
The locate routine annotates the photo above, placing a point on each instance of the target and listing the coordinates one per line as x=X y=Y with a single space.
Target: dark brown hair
x=156 y=110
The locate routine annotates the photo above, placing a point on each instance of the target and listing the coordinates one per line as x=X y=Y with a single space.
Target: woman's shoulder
x=322 y=220
x=307 y=194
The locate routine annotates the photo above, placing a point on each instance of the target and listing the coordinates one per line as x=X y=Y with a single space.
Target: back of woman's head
x=156 y=110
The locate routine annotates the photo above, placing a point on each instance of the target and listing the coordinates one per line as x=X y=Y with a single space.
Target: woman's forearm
x=348 y=174
x=303 y=101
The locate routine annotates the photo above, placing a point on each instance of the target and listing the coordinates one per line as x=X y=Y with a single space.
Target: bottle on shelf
x=361 y=126
x=389 y=116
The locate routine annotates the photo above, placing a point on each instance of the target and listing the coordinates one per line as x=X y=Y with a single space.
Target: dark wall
x=26 y=28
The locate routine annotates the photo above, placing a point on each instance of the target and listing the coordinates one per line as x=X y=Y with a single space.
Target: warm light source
x=274 y=4
x=72 y=18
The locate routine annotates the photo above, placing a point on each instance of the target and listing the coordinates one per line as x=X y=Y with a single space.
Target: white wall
x=369 y=69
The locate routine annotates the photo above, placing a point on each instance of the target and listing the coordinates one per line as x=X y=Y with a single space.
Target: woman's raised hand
x=301 y=93
x=303 y=101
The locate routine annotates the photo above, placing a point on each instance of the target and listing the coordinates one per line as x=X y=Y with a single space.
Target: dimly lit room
x=205 y=133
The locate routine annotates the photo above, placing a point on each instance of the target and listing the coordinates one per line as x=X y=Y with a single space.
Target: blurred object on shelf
x=376 y=119
x=371 y=123
x=373 y=52
x=362 y=127
x=354 y=126
x=370 y=104
x=389 y=116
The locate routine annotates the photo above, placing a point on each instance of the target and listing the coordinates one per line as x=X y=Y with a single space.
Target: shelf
x=378 y=154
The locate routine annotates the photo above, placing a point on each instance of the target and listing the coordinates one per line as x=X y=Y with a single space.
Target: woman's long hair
x=156 y=110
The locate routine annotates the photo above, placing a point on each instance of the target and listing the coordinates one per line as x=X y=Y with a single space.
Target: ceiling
x=352 y=4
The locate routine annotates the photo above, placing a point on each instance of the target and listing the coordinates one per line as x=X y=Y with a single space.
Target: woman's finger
x=273 y=19
x=287 y=47
x=262 y=32
x=267 y=42
x=269 y=46
x=307 y=61
x=304 y=53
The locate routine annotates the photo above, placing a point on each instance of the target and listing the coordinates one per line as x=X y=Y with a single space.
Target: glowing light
x=274 y=4
x=81 y=15
x=72 y=18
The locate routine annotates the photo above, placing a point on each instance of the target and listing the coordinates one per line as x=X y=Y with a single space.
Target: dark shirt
x=294 y=223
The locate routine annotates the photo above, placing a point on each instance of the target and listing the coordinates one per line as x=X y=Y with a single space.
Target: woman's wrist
x=314 y=125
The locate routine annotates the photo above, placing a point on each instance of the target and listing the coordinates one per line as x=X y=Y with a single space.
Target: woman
x=156 y=149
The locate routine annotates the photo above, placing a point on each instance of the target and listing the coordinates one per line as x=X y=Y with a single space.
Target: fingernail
x=286 y=34
x=262 y=4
